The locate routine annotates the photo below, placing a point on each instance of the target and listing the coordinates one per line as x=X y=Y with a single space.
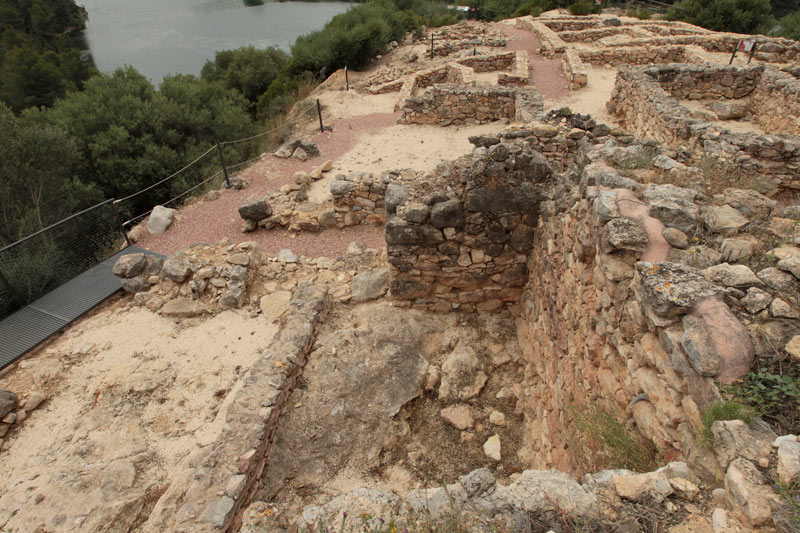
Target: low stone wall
x=574 y=70
x=594 y=34
x=450 y=73
x=649 y=111
x=519 y=70
x=635 y=56
x=448 y=104
x=769 y=49
x=701 y=82
x=775 y=104
x=489 y=63
x=551 y=43
x=220 y=477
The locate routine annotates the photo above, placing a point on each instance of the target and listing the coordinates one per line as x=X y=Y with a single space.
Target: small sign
x=745 y=46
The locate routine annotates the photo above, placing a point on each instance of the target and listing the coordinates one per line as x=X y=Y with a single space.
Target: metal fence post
x=431 y=45
x=119 y=222
x=346 y=79
x=319 y=112
x=224 y=168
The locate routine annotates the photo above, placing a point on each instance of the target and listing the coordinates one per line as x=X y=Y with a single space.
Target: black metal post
x=121 y=225
x=752 y=53
x=224 y=168
x=431 y=45
x=736 y=47
x=346 y=79
x=319 y=112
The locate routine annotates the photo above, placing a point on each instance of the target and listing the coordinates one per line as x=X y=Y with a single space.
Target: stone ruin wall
x=637 y=56
x=775 y=105
x=461 y=237
x=642 y=100
x=448 y=104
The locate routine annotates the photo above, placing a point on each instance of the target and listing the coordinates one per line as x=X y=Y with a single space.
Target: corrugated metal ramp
x=35 y=323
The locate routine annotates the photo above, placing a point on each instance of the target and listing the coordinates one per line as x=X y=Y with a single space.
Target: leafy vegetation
x=732 y=410
x=583 y=7
x=39 y=60
x=740 y=16
x=774 y=392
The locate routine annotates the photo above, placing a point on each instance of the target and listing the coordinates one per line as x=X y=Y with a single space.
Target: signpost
x=744 y=46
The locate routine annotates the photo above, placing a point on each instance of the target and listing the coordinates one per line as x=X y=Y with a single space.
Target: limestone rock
x=663 y=162
x=286 y=256
x=605 y=205
x=625 y=234
x=34 y=400
x=734 y=438
x=724 y=219
x=652 y=486
x=696 y=342
x=672 y=288
x=462 y=374
x=735 y=249
x=669 y=192
x=8 y=402
x=788 y=458
x=751 y=204
x=675 y=213
x=728 y=275
x=458 y=416
x=497 y=418
x=130 y=265
x=541 y=491
x=790 y=264
x=160 y=219
x=675 y=238
x=747 y=492
x=182 y=308
x=217 y=511
x=696 y=256
x=606 y=176
x=779 y=280
x=370 y=285
x=233 y=298
x=339 y=187
x=176 y=268
x=780 y=308
x=491 y=448
x=756 y=300
x=276 y=304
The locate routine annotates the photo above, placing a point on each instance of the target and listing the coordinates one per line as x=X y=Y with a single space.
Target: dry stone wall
x=646 y=108
x=775 y=103
x=574 y=70
x=551 y=43
x=447 y=104
x=464 y=244
x=637 y=56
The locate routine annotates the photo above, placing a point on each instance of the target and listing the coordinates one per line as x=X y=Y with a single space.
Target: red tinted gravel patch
x=545 y=72
x=208 y=222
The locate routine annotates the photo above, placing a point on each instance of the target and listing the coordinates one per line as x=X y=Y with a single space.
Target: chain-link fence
x=37 y=264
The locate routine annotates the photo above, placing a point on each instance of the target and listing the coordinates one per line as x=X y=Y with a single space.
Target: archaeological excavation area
x=540 y=334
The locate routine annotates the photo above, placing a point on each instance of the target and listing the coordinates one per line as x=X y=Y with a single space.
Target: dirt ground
x=129 y=393
x=367 y=411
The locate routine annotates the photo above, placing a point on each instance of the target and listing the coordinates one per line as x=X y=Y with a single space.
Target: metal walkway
x=33 y=324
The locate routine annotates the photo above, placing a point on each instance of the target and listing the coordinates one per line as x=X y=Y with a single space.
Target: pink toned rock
x=630 y=206
x=458 y=416
x=729 y=337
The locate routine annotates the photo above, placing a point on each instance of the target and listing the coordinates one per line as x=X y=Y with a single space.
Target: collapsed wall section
x=448 y=104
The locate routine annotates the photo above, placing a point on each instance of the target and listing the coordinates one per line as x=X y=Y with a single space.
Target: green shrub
x=740 y=16
x=733 y=410
x=641 y=14
x=248 y=70
x=790 y=26
x=584 y=7
x=774 y=392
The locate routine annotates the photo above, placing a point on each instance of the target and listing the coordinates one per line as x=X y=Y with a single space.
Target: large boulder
x=160 y=219
x=130 y=265
x=462 y=374
x=370 y=285
x=8 y=402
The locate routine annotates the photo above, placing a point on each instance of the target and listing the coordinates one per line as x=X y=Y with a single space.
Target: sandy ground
x=592 y=98
x=127 y=390
x=403 y=146
x=736 y=126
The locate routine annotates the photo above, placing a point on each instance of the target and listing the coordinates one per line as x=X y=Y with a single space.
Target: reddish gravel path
x=208 y=222
x=545 y=72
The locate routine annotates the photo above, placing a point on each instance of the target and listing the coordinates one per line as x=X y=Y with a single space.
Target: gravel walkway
x=208 y=222
x=545 y=72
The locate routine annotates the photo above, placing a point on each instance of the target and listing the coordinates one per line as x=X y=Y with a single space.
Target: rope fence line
x=290 y=121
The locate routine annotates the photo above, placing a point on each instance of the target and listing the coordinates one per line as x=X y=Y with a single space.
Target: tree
x=739 y=16
x=248 y=70
x=131 y=135
x=37 y=187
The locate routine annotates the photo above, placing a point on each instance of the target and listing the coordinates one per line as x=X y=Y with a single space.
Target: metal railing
x=42 y=261
x=37 y=264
